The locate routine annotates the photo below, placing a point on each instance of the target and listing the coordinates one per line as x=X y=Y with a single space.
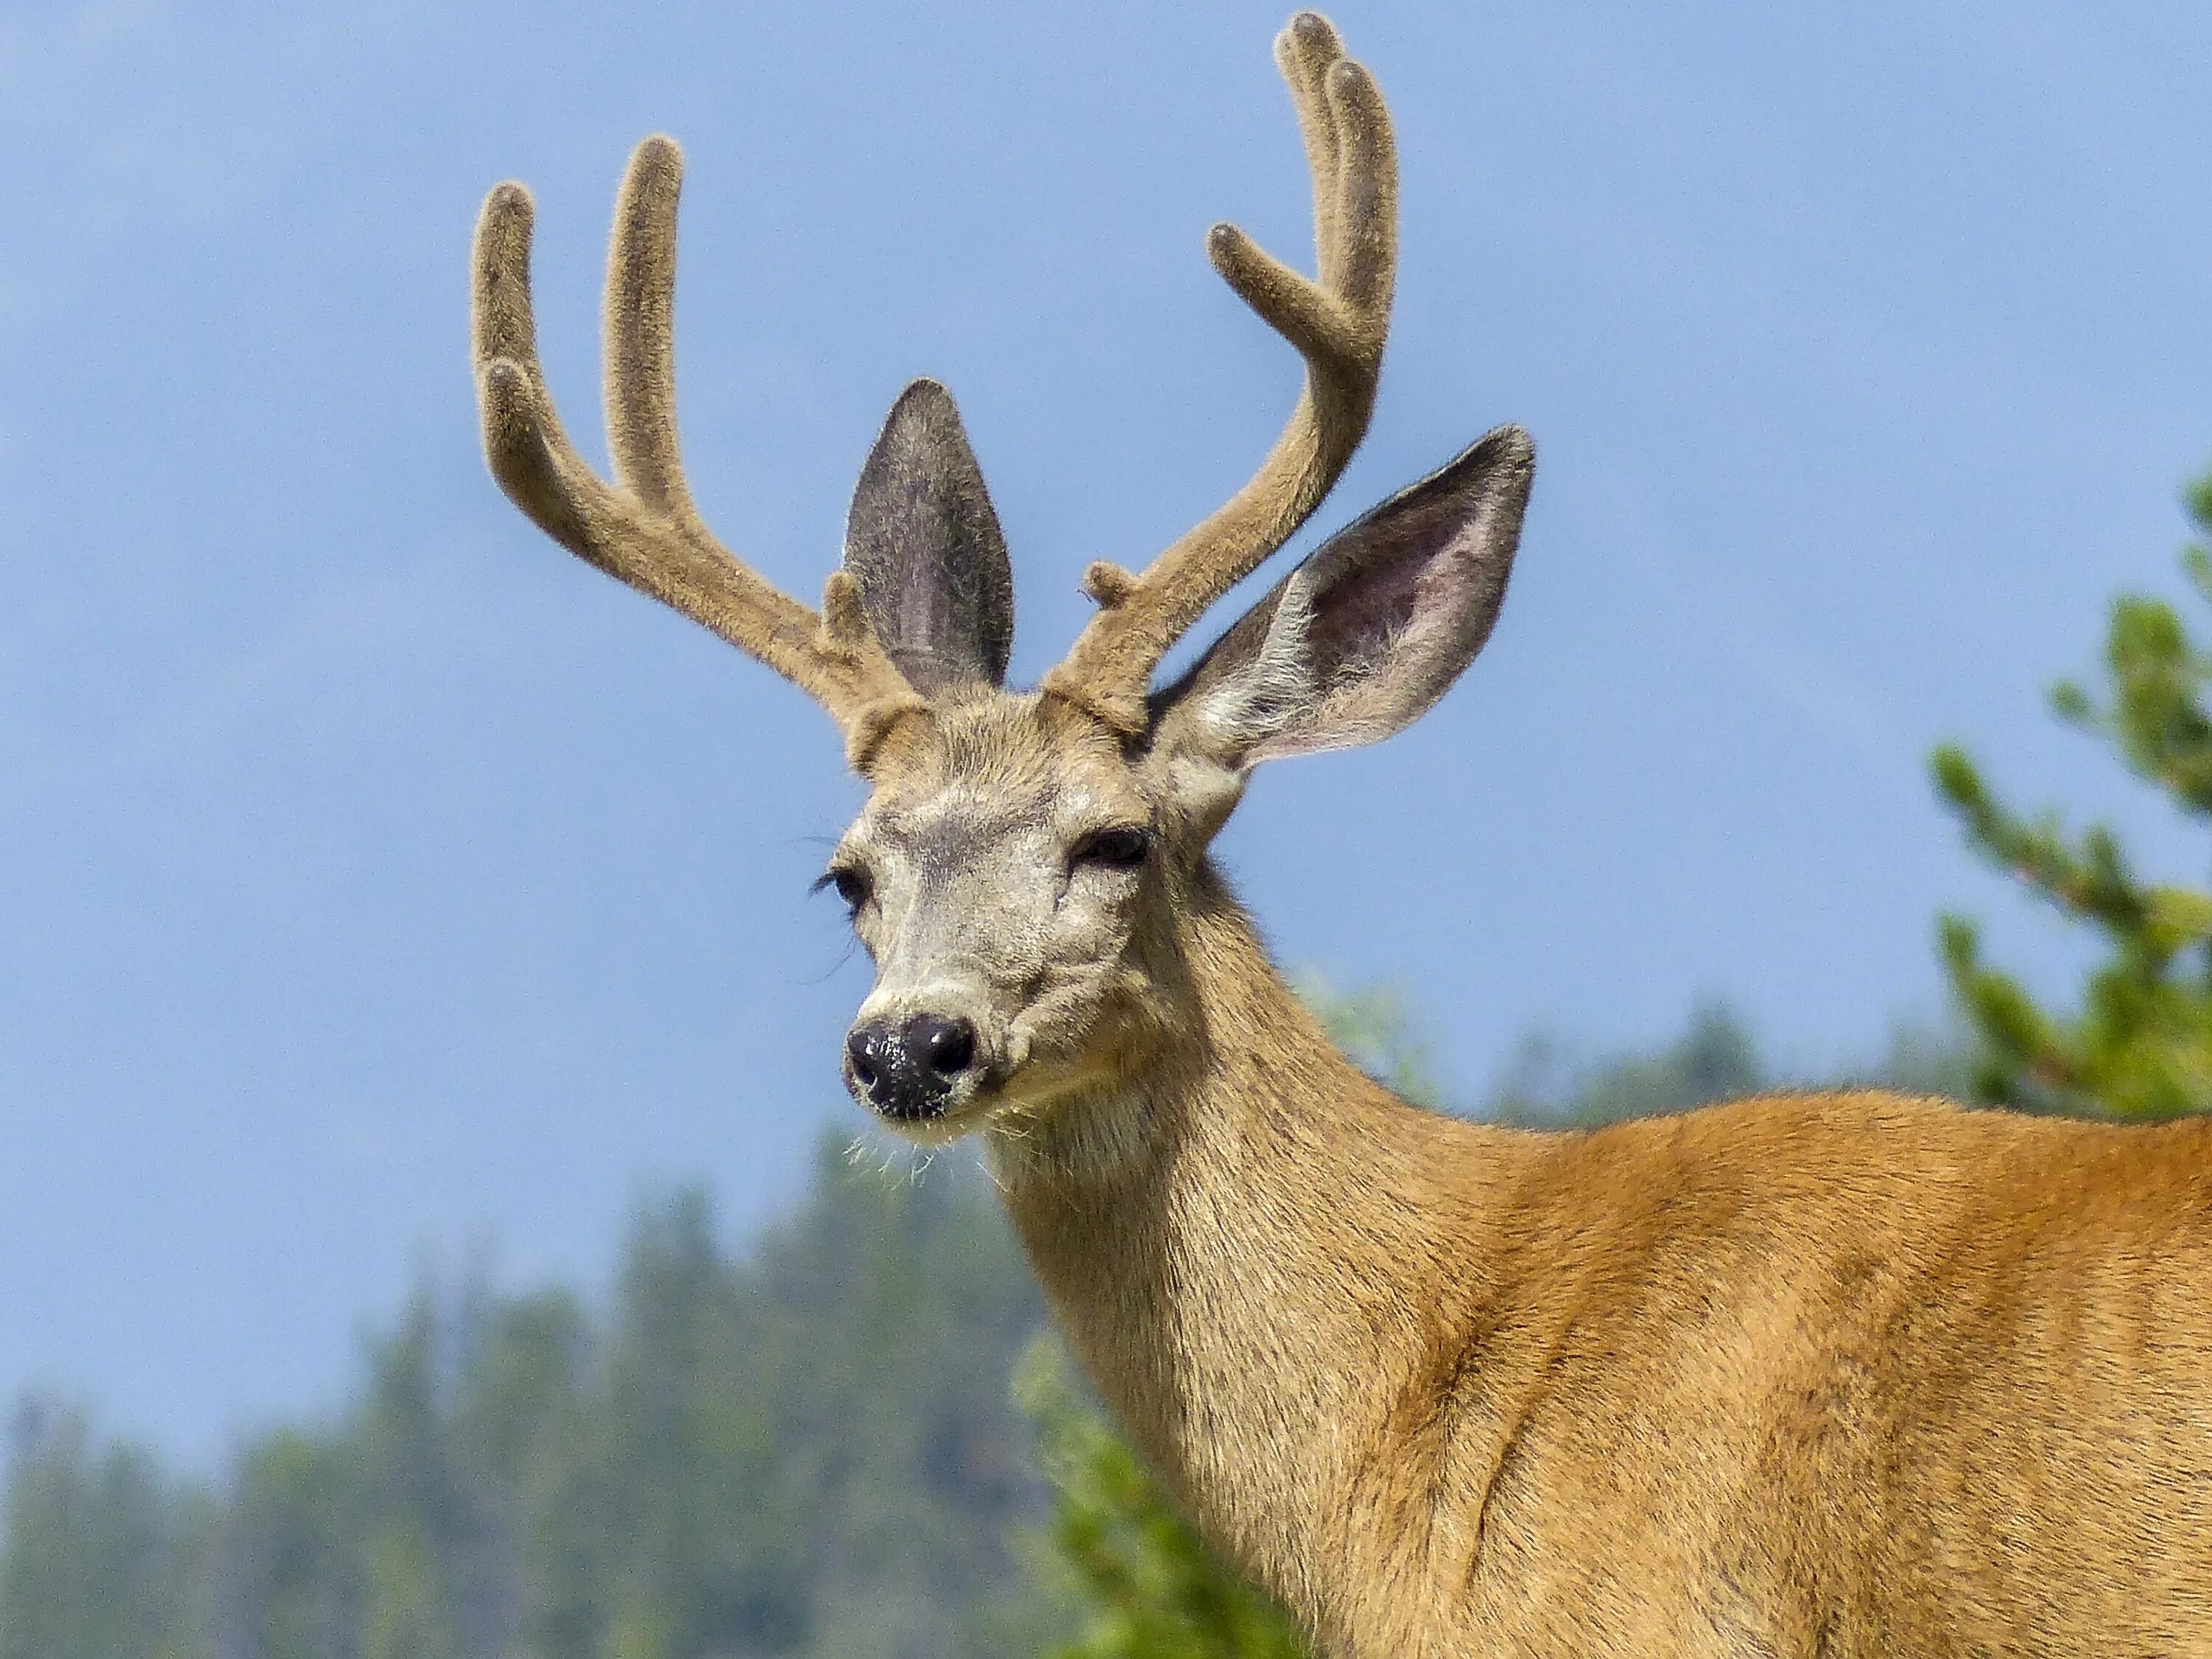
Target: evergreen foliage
x=809 y=1450
x=2140 y=1043
x=104 y=1557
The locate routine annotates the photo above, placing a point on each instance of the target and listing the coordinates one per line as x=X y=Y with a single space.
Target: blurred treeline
x=816 y=1445
x=809 y=1446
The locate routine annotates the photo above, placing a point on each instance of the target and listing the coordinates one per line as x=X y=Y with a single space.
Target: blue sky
x=378 y=884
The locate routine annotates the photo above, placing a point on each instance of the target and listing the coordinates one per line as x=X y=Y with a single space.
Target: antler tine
x=645 y=533
x=1338 y=321
x=640 y=323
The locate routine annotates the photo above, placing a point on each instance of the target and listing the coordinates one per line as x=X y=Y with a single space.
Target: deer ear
x=1364 y=635
x=923 y=545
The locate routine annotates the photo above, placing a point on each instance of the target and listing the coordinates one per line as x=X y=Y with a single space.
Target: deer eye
x=1124 y=847
x=852 y=885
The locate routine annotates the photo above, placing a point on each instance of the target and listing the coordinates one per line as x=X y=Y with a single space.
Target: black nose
x=945 y=1046
x=907 y=1070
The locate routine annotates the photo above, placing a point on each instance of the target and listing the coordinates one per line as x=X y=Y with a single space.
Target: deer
x=1843 y=1373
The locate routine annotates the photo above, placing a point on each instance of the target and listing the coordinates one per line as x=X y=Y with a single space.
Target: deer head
x=1027 y=862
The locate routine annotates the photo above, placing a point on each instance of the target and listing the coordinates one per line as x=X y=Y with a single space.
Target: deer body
x=1832 y=1375
x=1825 y=1374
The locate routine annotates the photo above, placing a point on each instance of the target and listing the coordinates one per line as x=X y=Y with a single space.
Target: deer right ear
x=923 y=543
x=1364 y=635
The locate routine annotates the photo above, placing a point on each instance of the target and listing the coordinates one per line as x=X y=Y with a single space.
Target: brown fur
x=1818 y=1375
x=1821 y=1374
x=1828 y=1374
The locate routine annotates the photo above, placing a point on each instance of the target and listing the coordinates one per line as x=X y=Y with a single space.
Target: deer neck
x=1241 y=1240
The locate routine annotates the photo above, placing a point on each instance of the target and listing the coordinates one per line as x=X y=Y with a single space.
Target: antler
x=644 y=529
x=1338 y=323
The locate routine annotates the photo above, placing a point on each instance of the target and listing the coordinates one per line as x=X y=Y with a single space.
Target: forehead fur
x=1012 y=746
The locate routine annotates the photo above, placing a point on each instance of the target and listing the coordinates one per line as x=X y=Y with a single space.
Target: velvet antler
x=643 y=529
x=1338 y=322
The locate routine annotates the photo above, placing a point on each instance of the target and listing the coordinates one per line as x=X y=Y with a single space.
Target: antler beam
x=1338 y=321
x=643 y=529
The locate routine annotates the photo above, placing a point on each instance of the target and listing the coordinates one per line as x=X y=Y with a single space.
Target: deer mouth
x=973 y=1108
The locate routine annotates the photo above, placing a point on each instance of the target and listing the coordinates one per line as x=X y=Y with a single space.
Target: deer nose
x=947 y=1046
x=906 y=1069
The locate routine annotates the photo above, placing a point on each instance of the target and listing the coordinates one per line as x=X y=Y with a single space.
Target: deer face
x=1019 y=872
x=1002 y=877
x=1025 y=867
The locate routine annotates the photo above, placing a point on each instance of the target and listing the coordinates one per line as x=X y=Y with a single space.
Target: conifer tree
x=2140 y=1043
x=102 y=1551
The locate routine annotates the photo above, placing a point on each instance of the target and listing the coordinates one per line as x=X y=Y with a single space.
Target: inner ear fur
x=1364 y=635
x=923 y=543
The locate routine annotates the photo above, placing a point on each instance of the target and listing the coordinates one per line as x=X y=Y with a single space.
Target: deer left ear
x=923 y=543
x=1363 y=637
